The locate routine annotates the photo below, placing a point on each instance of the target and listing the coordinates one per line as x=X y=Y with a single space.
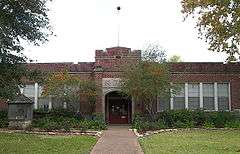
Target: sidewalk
x=117 y=140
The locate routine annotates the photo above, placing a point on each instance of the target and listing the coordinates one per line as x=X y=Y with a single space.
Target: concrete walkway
x=117 y=140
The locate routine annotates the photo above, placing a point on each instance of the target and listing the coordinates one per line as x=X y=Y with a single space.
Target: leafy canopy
x=218 y=22
x=21 y=21
x=149 y=78
x=69 y=88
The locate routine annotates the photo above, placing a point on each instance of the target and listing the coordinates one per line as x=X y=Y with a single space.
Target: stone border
x=57 y=132
x=148 y=133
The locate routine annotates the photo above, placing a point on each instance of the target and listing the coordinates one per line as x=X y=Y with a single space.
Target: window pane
x=193 y=90
x=208 y=90
x=208 y=96
x=193 y=96
x=223 y=100
x=164 y=104
x=179 y=97
x=193 y=102
x=208 y=103
x=181 y=90
x=223 y=103
x=29 y=90
x=43 y=103
x=222 y=89
x=178 y=103
x=40 y=90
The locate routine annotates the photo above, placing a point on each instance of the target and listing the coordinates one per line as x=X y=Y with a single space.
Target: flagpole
x=118 y=33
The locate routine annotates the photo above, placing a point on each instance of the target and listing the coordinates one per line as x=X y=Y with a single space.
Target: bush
x=143 y=124
x=208 y=124
x=186 y=119
x=199 y=118
x=187 y=124
x=65 y=123
x=233 y=124
x=179 y=119
x=40 y=113
x=219 y=119
x=3 y=119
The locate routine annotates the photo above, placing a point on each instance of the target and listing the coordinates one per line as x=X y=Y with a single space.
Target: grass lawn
x=194 y=141
x=44 y=144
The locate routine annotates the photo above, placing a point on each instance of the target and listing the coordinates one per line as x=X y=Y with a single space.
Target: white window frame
x=215 y=89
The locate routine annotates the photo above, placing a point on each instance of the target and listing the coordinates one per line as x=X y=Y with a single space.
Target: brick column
x=98 y=81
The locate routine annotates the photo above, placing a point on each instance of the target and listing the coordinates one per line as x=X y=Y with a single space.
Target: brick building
x=210 y=86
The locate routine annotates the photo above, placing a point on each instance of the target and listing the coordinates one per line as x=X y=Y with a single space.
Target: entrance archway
x=118 y=109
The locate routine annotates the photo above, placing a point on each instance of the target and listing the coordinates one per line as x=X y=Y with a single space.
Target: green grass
x=44 y=144
x=194 y=141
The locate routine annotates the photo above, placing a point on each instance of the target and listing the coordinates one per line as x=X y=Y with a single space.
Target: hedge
x=186 y=119
x=63 y=119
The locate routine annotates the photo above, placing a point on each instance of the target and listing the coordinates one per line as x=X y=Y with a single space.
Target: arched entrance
x=118 y=108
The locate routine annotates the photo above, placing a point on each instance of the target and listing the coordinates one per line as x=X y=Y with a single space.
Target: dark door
x=118 y=111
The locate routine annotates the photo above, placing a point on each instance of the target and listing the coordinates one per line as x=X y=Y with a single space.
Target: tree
x=20 y=21
x=175 y=59
x=148 y=79
x=69 y=88
x=218 y=22
x=62 y=86
x=88 y=90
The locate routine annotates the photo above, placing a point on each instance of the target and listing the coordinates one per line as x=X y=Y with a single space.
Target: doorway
x=118 y=108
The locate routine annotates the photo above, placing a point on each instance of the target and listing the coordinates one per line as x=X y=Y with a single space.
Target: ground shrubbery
x=3 y=119
x=186 y=119
x=66 y=120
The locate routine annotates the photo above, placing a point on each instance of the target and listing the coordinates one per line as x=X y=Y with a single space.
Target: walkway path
x=117 y=140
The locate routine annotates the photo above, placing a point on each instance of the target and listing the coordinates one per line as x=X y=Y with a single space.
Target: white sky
x=82 y=26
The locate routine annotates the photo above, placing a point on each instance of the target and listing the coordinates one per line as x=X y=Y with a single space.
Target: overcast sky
x=82 y=26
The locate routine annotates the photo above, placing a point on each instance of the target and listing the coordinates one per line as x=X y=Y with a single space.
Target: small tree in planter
x=62 y=86
x=69 y=88
x=148 y=79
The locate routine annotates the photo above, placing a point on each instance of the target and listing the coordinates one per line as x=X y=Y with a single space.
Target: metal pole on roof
x=118 y=35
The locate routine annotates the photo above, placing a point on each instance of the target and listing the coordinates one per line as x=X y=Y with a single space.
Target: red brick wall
x=3 y=105
x=181 y=72
x=107 y=65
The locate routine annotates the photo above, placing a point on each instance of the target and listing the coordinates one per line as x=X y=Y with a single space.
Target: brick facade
x=3 y=105
x=107 y=65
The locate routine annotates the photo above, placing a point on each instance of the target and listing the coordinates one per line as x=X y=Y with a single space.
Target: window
x=223 y=96
x=43 y=102
x=40 y=91
x=193 y=96
x=179 y=98
x=208 y=96
x=163 y=104
x=29 y=91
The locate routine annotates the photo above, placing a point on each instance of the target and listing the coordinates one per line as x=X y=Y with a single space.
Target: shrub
x=40 y=113
x=199 y=118
x=180 y=124
x=58 y=123
x=208 y=124
x=3 y=119
x=161 y=124
x=233 y=124
x=219 y=118
x=51 y=126
x=187 y=119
